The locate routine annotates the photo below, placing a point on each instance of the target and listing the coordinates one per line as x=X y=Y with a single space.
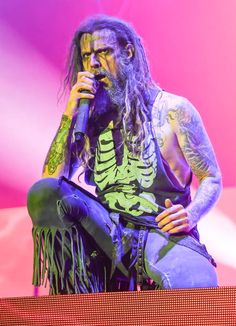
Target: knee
x=182 y=274
x=42 y=201
x=71 y=209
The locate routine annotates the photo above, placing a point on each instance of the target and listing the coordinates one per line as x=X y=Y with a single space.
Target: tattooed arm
x=58 y=159
x=62 y=158
x=198 y=152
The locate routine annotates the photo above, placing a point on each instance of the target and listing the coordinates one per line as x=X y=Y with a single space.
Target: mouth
x=99 y=77
x=103 y=80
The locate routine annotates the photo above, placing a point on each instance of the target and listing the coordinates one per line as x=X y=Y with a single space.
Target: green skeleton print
x=125 y=187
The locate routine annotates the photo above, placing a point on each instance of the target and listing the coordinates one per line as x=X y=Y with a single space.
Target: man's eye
x=104 y=52
x=86 y=56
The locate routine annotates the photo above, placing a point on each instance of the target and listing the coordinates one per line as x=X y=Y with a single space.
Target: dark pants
x=77 y=243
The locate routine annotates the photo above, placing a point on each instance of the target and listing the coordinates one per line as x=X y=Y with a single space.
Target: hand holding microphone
x=81 y=95
x=88 y=87
x=85 y=82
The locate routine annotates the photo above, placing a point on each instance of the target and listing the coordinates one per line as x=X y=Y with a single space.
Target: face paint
x=101 y=55
x=100 y=52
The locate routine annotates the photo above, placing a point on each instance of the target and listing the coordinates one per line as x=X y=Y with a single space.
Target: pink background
x=191 y=46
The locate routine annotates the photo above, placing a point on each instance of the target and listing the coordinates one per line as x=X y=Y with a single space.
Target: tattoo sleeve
x=57 y=162
x=200 y=156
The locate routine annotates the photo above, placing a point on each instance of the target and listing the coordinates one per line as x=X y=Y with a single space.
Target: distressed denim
x=78 y=244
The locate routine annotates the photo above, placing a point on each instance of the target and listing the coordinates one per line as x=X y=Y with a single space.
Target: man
x=141 y=146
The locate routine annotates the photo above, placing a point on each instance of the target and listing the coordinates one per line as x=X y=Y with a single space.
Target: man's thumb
x=168 y=203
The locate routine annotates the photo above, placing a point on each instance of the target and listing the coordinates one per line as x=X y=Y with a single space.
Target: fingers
x=168 y=203
x=181 y=228
x=84 y=74
x=173 y=209
x=176 y=224
x=173 y=219
x=86 y=80
x=83 y=90
x=85 y=87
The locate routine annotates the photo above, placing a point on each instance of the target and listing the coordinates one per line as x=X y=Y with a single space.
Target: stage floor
x=192 y=307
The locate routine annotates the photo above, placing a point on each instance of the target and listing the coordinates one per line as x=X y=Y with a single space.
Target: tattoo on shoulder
x=57 y=152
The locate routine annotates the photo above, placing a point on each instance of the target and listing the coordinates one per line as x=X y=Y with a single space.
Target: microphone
x=82 y=119
x=83 y=114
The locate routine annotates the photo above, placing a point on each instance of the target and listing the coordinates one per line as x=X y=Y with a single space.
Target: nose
x=94 y=62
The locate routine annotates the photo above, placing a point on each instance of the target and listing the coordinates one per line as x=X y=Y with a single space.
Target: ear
x=129 y=50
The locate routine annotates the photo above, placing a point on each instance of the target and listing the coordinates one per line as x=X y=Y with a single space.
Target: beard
x=117 y=91
x=107 y=106
x=111 y=99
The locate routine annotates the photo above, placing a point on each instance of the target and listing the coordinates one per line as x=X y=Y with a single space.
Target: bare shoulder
x=174 y=109
x=173 y=114
x=182 y=117
x=179 y=125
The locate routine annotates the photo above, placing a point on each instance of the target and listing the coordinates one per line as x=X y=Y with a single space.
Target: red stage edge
x=205 y=306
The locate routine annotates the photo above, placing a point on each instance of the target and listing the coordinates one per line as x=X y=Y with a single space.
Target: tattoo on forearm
x=57 y=153
x=205 y=198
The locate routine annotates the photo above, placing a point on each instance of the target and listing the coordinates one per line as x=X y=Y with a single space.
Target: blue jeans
x=76 y=237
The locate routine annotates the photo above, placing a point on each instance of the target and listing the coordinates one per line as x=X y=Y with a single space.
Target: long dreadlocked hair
x=138 y=84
